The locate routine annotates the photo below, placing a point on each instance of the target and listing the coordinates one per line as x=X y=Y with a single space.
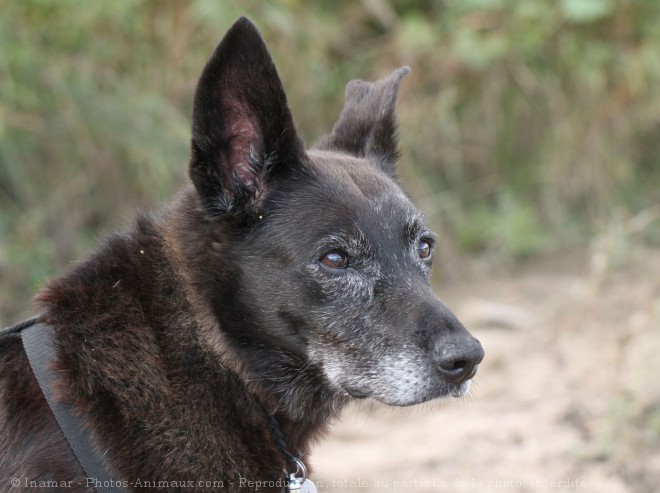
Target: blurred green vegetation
x=525 y=125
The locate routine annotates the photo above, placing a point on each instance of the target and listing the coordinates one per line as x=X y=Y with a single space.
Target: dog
x=232 y=326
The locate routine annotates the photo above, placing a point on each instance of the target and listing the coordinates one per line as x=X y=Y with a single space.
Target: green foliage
x=525 y=118
x=510 y=229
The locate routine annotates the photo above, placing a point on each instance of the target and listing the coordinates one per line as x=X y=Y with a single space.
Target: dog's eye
x=424 y=249
x=336 y=259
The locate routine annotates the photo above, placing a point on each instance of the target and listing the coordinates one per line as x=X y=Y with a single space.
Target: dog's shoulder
x=107 y=313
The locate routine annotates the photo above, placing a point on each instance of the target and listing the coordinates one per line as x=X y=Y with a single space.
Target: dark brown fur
x=131 y=357
x=177 y=337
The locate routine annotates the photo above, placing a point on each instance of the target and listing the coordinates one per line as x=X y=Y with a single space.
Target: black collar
x=299 y=476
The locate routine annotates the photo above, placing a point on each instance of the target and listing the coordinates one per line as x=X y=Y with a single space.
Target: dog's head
x=319 y=254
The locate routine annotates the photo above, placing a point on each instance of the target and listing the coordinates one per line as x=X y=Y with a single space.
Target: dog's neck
x=283 y=383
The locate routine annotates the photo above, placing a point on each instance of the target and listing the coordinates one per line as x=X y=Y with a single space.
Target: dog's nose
x=457 y=362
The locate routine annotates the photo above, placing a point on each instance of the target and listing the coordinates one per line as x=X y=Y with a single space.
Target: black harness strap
x=38 y=341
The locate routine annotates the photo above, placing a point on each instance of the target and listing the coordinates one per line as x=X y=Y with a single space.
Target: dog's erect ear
x=243 y=134
x=367 y=124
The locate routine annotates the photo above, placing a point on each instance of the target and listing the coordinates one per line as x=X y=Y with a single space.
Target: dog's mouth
x=459 y=390
x=354 y=393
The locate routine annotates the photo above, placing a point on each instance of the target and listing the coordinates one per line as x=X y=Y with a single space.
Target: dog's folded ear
x=367 y=124
x=243 y=133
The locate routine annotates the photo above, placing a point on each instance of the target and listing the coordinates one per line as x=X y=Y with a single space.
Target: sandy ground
x=566 y=400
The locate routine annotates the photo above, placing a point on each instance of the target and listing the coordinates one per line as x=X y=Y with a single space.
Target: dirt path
x=566 y=400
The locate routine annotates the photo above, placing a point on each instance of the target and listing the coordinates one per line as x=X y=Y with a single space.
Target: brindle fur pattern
x=175 y=335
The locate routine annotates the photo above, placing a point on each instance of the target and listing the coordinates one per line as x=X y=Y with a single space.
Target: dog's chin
x=448 y=392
